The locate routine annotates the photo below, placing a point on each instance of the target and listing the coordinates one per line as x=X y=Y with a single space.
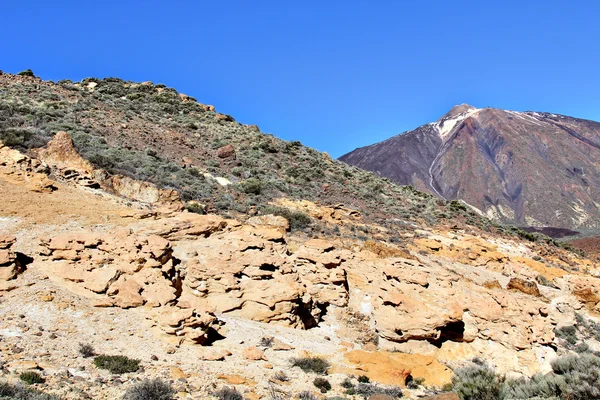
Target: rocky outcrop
x=10 y=267
x=126 y=269
x=247 y=272
x=21 y=168
x=61 y=155
x=226 y=151
x=144 y=192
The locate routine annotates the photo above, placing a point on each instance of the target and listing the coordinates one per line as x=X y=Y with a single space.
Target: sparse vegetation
x=322 y=384
x=120 y=126
x=414 y=383
x=306 y=395
x=266 y=341
x=15 y=392
x=117 y=364
x=155 y=389
x=86 y=350
x=31 y=377
x=573 y=377
x=228 y=393
x=363 y=379
x=311 y=364
x=347 y=383
x=478 y=382
x=297 y=219
x=369 y=389
x=568 y=333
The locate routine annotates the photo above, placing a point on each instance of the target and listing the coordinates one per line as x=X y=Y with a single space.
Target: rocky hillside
x=151 y=248
x=525 y=168
x=212 y=307
x=152 y=133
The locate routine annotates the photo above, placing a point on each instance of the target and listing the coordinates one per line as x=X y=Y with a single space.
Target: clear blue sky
x=333 y=74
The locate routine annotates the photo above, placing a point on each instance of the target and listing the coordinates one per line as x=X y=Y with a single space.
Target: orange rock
x=254 y=354
x=521 y=285
x=393 y=368
x=234 y=379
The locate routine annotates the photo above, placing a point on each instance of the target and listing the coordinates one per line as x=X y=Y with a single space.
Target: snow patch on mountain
x=446 y=126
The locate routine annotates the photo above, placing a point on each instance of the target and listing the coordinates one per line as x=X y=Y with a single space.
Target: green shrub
x=297 y=219
x=568 y=333
x=574 y=377
x=311 y=364
x=15 y=392
x=363 y=379
x=31 y=377
x=155 y=389
x=347 y=383
x=196 y=208
x=117 y=364
x=252 y=186
x=322 y=384
x=369 y=389
x=478 y=382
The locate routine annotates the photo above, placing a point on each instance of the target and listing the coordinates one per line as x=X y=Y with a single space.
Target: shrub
x=155 y=389
x=195 y=207
x=266 y=341
x=306 y=395
x=311 y=364
x=31 y=377
x=86 y=350
x=27 y=72
x=228 y=393
x=363 y=379
x=414 y=383
x=252 y=186
x=568 y=333
x=322 y=384
x=347 y=383
x=369 y=389
x=14 y=392
x=297 y=219
x=574 y=377
x=117 y=364
x=477 y=382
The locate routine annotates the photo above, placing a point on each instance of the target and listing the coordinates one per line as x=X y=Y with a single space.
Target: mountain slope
x=153 y=133
x=528 y=168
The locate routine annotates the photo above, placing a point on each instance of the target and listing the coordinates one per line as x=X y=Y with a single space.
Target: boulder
x=254 y=354
x=6 y=241
x=227 y=151
x=224 y=117
x=10 y=266
x=523 y=286
x=271 y=221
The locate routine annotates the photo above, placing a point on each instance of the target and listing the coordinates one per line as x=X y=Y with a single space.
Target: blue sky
x=333 y=74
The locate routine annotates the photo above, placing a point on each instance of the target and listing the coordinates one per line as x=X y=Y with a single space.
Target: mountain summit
x=528 y=168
